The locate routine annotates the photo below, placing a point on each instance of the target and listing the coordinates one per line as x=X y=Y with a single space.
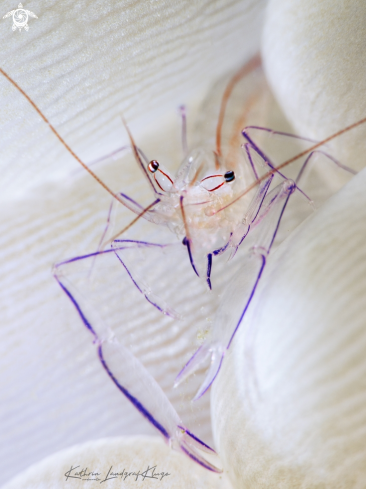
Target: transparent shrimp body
x=189 y=205
x=201 y=206
x=261 y=216
x=208 y=209
x=186 y=204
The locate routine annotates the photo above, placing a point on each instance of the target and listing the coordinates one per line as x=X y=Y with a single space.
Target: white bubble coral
x=314 y=54
x=295 y=373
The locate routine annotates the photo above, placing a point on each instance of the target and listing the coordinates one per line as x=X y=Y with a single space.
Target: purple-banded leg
x=209 y=268
x=129 y=254
x=271 y=133
x=255 y=205
x=241 y=289
x=288 y=137
x=95 y=302
x=317 y=152
x=265 y=157
x=242 y=230
x=254 y=152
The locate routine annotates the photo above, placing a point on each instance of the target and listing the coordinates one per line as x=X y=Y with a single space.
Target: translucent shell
x=228 y=196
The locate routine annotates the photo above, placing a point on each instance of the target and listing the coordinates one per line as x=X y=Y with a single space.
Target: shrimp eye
x=153 y=166
x=229 y=176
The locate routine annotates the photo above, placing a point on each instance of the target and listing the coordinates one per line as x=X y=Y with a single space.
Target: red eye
x=153 y=166
x=165 y=183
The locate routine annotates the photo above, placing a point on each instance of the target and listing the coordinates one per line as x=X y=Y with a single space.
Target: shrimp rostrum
x=224 y=205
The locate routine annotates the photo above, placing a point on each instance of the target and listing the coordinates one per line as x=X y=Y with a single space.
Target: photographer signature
x=91 y=475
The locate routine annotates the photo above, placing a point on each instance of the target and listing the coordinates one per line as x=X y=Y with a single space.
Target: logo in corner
x=20 y=18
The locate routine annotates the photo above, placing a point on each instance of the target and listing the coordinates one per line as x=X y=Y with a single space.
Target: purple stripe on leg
x=209 y=266
x=80 y=312
x=196 y=438
x=131 y=398
x=249 y=300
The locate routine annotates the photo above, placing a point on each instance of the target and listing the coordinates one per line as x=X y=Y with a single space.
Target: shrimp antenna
x=130 y=224
x=245 y=70
x=291 y=160
x=137 y=155
x=63 y=142
x=59 y=137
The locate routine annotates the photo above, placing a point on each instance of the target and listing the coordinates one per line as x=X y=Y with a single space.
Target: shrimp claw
x=129 y=375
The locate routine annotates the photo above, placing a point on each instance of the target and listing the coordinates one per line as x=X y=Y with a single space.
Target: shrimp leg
x=127 y=373
x=270 y=163
x=241 y=289
x=330 y=157
x=242 y=230
x=251 y=214
x=266 y=208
